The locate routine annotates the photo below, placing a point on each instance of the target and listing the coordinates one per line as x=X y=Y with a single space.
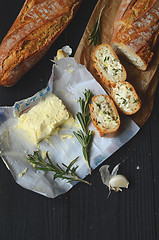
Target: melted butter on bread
x=108 y=65
x=126 y=98
x=104 y=114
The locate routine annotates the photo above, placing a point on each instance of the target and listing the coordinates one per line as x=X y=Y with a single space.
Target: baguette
x=104 y=114
x=37 y=26
x=126 y=98
x=108 y=65
x=136 y=30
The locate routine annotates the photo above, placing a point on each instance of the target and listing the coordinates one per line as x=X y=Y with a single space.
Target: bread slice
x=104 y=114
x=108 y=65
x=126 y=98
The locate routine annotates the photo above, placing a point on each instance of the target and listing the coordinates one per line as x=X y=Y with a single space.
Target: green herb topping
x=116 y=70
x=136 y=100
x=115 y=59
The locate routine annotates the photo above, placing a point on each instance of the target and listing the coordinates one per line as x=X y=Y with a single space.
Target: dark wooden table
x=84 y=213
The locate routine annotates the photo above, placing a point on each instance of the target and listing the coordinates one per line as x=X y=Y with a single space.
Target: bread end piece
x=140 y=59
x=136 y=30
x=108 y=65
x=126 y=98
x=104 y=114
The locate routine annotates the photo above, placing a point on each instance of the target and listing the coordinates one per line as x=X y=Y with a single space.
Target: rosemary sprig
x=95 y=35
x=85 y=136
x=68 y=173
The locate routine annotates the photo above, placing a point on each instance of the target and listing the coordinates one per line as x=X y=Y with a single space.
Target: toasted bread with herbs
x=126 y=98
x=104 y=114
x=108 y=65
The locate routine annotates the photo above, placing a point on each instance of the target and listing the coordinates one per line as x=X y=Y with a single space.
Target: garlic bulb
x=113 y=181
x=117 y=182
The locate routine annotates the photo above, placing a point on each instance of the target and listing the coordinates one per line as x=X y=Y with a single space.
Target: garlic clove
x=117 y=182
x=64 y=52
x=61 y=54
x=67 y=50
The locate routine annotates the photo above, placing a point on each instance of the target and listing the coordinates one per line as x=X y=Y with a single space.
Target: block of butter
x=42 y=119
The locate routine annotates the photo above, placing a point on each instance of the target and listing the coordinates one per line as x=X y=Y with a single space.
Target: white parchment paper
x=68 y=81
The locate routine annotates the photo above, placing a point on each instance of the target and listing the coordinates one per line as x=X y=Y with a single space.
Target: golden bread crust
x=134 y=100
x=136 y=28
x=37 y=26
x=94 y=119
x=100 y=71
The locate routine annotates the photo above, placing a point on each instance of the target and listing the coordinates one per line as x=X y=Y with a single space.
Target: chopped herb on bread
x=108 y=65
x=104 y=114
x=126 y=98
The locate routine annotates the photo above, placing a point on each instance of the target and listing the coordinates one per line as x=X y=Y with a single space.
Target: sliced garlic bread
x=108 y=65
x=104 y=114
x=126 y=98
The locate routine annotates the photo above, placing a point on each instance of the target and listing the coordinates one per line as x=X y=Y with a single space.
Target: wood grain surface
x=85 y=212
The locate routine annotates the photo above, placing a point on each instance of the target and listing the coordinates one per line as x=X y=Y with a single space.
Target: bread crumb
x=20 y=175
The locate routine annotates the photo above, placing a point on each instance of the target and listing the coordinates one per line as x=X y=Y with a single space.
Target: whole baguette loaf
x=104 y=114
x=37 y=26
x=136 y=29
x=108 y=65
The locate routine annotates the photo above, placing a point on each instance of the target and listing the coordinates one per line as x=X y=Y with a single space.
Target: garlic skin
x=117 y=182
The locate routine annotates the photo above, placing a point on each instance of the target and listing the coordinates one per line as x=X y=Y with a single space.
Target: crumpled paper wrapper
x=145 y=82
x=68 y=81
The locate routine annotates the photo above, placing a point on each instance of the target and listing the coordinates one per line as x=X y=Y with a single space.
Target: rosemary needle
x=95 y=35
x=68 y=173
x=85 y=136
